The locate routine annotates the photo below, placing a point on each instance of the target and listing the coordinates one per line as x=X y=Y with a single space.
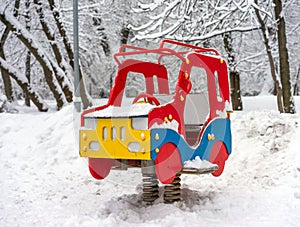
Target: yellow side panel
x=114 y=142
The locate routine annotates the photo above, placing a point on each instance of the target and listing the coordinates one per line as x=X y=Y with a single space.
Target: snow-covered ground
x=43 y=182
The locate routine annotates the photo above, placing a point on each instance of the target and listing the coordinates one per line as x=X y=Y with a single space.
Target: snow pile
x=44 y=182
x=197 y=163
x=173 y=124
x=274 y=130
x=262 y=142
x=5 y=106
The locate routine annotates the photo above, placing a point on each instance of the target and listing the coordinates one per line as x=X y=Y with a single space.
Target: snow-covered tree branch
x=23 y=83
x=29 y=41
x=192 y=20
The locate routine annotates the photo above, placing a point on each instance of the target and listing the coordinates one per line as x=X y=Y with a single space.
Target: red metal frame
x=183 y=85
x=193 y=47
x=162 y=51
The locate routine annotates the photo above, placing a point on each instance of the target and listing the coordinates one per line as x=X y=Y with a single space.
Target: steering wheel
x=146 y=98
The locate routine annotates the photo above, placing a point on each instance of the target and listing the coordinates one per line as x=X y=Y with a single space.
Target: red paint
x=218 y=156
x=130 y=65
x=168 y=163
x=147 y=98
x=195 y=48
x=100 y=167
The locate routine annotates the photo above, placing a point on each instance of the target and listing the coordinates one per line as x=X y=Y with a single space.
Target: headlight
x=139 y=123
x=134 y=147
x=90 y=123
x=94 y=146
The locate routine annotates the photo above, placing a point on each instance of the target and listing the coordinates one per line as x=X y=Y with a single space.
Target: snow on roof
x=135 y=110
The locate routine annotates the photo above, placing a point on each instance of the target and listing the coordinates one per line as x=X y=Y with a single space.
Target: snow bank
x=260 y=142
x=45 y=183
x=5 y=106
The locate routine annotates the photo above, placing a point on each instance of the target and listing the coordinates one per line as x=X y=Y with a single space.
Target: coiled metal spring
x=172 y=192
x=150 y=188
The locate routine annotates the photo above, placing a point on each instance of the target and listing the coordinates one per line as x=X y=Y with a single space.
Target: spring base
x=172 y=192
x=150 y=188
x=150 y=182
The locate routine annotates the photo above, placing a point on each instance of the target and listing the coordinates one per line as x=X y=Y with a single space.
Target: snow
x=44 y=182
x=223 y=113
x=6 y=106
x=138 y=109
x=173 y=124
x=197 y=163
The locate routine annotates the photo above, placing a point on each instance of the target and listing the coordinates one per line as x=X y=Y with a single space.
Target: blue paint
x=219 y=127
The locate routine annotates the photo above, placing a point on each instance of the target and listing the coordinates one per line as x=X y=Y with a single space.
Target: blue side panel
x=219 y=127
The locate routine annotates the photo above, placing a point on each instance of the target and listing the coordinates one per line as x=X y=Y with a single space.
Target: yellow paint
x=181 y=98
x=170 y=117
x=116 y=149
x=210 y=136
x=221 y=61
x=187 y=61
x=143 y=137
x=141 y=102
x=156 y=136
x=166 y=120
x=156 y=150
x=186 y=75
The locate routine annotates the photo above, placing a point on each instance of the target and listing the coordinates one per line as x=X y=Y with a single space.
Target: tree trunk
x=234 y=75
x=288 y=102
x=28 y=54
x=83 y=94
x=5 y=76
x=22 y=82
x=27 y=73
x=46 y=29
x=124 y=34
x=236 y=99
x=61 y=79
x=14 y=26
x=296 y=86
x=278 y=89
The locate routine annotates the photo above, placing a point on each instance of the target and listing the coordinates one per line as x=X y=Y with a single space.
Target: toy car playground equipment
x=160 y=131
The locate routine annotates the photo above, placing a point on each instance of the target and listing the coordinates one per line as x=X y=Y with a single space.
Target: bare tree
x=266 y=34
x=50 y=36
x=5 y=75
x=234 y=75
x=297 y=83
x=288 y=102
x=23 y=83
x=28 y=54
x=192 y=20
x=196 y=21
x=28 y=40
x=57 y=17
